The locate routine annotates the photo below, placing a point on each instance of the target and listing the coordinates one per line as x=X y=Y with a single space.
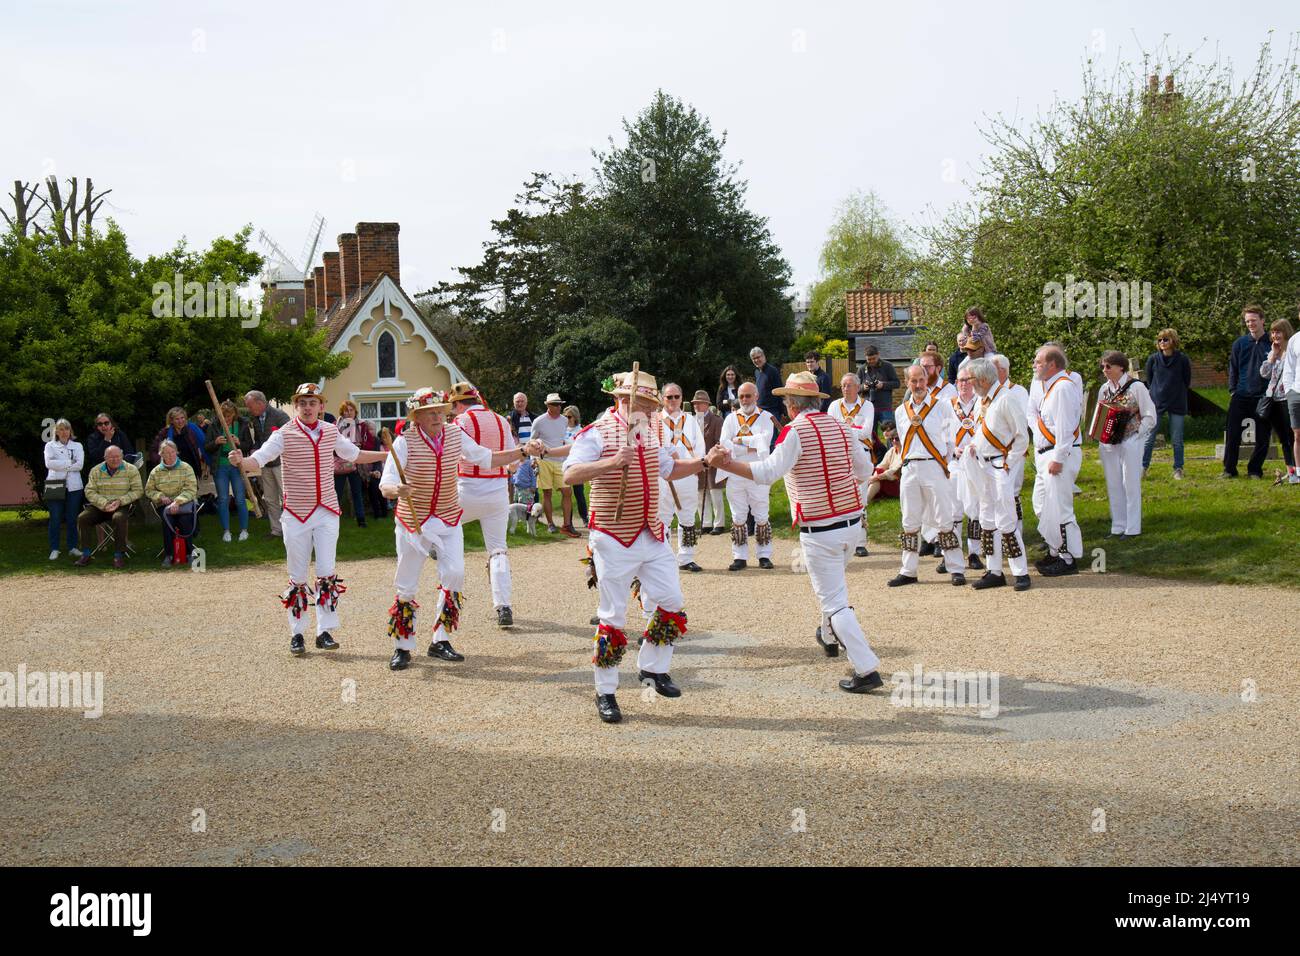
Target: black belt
x=1048 y=448
x=830 y=527
x=909 y=461
x=991 y=457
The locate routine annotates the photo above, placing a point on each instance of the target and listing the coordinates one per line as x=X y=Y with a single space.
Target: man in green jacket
x=110 y=489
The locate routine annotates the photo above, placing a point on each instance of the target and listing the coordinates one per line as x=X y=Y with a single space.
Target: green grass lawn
x=1233 y=532
x=24 y=548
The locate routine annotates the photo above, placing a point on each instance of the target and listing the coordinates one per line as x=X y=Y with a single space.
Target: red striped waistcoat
x=641 y=505
x=488 y=429
x=308 y=472
x=821 y=484
x=432 y=476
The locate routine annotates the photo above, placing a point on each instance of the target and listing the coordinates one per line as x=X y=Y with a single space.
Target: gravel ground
x=1118 y=696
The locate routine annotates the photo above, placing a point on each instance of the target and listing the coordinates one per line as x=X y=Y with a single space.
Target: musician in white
x=997 y=448
x=925 y=422
x=681 y=432
x=824 y=468
x=853 y=411
x=965 y=484
x=1020 y=395
x=747 y=435
x=1058 y=455
x=1122 y=461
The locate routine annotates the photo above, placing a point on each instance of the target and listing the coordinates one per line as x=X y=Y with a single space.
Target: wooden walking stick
x=386 y=437
x=230 y=445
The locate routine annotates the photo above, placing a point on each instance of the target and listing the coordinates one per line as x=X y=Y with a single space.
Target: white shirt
x=787 y=452
x=1291 y=366
x=1020 y=396
x=273 y=448
x=865 y=419
x=1060 y=412
x=945 y=390
x=691 y=432
x=753 y=447
x=1007 y=423
x=1146 y=408
x=961 y=412
x=470 y=451
x=64 y=463
x=588 y=446
x=938 y=425
x=1034 y=399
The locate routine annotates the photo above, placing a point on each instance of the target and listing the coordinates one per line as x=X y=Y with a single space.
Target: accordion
x=1113 y=421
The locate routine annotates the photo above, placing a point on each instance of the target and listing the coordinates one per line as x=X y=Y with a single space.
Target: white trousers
x=926 y=496
x=412 y=550
x=826 y=555
x=1122 y=465
x=688 y=492
x=998 y=514
x=1054 y=504
x=652 y=562
x=489 y=505
x=746 y=497
x=712 y=509
x=319 y=533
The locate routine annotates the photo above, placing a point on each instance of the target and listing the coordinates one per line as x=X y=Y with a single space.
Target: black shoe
x=959 y=580
x=832 y=649
x=1022 y=582
x=1115 y=536
x=900 y=579
x=862 y=685
x=444 y=651
x=718 y=531
x=692 y=567
x=942 y=568
x=401 y=660
x=974 y=563
x=860 y=552
x=326 y=643
x=1228 y=474
x=296 y=646
x=595 y=621
x=663 y=684
x=1059 y=569
x=506 y=617
x=607 y=707
x=927 y=549
x=1045 y=561
x=990 y=580
x=765 y=564
x=738 y=565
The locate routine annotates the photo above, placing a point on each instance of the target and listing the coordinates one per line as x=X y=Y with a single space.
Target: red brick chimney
x=318 y=276
x=333 y=283
x=348 y=263
x=377 y=251
x=309 y=293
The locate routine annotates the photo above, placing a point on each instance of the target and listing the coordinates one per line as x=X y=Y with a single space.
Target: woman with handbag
x=1272 y=409
x=64 y=459
x=1126 y=401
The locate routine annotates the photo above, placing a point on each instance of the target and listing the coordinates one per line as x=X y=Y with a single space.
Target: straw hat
x=621 y=385
x=803 y=384
x=464 y=392
x=427 y=398
x=701 y=396
x=308 y=390
x=554 y=399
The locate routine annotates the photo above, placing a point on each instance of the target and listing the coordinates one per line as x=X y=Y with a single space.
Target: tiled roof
x=343 y=311
x=870 y=310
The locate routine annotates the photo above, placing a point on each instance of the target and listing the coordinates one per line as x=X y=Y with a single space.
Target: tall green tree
x=81 y=335
x=1196 y=192
x=863 y=244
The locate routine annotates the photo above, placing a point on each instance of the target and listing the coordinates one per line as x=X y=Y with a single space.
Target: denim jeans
x=228 y=480
x=352 y=479
x=1175 y=438
x=65 y=512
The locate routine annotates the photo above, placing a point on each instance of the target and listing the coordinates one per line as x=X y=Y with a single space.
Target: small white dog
x=521 y=512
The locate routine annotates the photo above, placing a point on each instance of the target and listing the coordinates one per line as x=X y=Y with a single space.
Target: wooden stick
x=230 y=446
x=386 y=437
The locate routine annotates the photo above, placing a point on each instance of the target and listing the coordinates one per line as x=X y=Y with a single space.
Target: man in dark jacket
x=813 y=362
x=1247 y=387
x=264 y=419
x=879 y=379
x=767 y=378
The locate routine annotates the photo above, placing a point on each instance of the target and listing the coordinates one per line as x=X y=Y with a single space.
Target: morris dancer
x=1058 y=455
x=306 y=447
x=925 y=493
x=748 y=433
x=428 y=516
x=964 y=483
x=682 y=432
x=485 y=493
x=626 y=539
x=824 y=466
x=1020 y=395
x=999 y=445
x=853 y=411
x=943 y=392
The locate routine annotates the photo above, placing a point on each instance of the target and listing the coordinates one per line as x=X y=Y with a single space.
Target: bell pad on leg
x=763 y=533
x=1010 y=546
x=948 y=541
x=986 y=541
x=910 y=540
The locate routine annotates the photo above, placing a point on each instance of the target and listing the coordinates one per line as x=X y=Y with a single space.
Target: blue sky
x=205 y=116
